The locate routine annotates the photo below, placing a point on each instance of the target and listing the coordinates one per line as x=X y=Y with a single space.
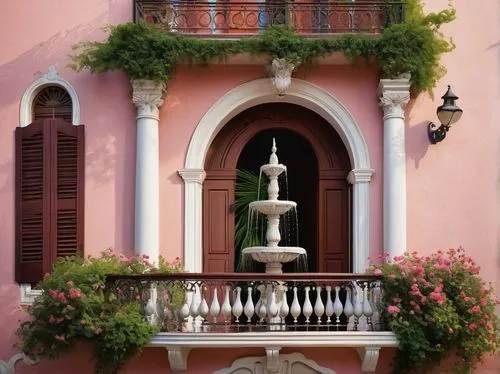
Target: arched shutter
x=49 y=195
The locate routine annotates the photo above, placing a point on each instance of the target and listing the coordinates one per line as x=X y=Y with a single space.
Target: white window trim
x=262 y=91
x=51 y=78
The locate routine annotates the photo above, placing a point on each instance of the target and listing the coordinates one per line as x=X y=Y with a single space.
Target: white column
x=360 y=179
x=394 y=95
x=193 y=205
x=147 y=97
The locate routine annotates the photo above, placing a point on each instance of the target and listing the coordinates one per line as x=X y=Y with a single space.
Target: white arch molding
x=262 y=91
x=52 y=78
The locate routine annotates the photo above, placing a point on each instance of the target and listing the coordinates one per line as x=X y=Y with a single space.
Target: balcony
x=260 y=310
x=235 y=19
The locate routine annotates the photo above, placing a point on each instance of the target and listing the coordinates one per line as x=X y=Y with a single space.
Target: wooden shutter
x=49 y=195
x=218 y=222
x=68 y=180
x=333 y=226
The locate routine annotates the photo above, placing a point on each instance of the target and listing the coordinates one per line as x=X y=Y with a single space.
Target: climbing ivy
x=145 y=51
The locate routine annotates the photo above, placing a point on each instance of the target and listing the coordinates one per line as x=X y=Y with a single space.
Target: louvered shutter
x=68 y=199
x=32 y=201
x=49 y=195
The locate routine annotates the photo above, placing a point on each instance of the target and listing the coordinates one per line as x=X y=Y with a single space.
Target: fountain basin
x=274 y=254
x=273 y=170
x=273 y=207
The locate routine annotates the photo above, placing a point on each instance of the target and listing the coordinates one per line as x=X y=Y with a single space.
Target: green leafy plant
x=145 y=51
x=439 y=308
x=247 y=190
x=74 y=307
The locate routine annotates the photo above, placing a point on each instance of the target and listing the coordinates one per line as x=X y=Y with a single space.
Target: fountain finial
x=273 y=159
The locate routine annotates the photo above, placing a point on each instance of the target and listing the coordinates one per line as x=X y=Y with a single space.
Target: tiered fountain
x=273 y=255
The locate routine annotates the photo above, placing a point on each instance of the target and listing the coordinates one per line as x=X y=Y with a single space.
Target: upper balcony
x=234 y=19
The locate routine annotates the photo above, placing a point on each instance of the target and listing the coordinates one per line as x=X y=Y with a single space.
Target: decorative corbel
x=369 y=358
x=177 y=358
x=282 y=74
x=273 y=359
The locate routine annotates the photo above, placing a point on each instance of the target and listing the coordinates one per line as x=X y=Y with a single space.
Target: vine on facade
x=145 y=51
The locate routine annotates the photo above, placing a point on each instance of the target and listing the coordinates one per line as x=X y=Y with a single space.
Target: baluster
x=338 y=308
x=295 y=309
x=203 y=310
x=272 y=307
x=329 y=304
x=249 y=307
x=195 y=305
x=215 y=306
x=238 y=306
x=358 y=308
x=150 y=310
x=367 y=308
x=307 y=309
x=226 y=306
x=284 y=310
x=376 y=298
x=319 y=308
x=348 y=307
x=184 y=311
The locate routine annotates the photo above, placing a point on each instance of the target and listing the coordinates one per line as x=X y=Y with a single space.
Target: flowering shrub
x=73 y=306
x=439 y=308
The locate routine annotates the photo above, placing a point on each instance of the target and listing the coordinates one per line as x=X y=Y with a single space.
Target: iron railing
x=243 y=302
x=234 y=17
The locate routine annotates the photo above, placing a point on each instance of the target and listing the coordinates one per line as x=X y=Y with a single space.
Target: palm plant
x=248 y=231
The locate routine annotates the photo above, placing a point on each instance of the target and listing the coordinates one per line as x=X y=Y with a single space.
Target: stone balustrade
x=244 y=302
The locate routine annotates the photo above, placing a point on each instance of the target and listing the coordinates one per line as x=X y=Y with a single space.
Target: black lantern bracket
x=448 y=114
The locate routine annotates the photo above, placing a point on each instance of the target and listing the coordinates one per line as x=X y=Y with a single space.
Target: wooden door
x=332 y=233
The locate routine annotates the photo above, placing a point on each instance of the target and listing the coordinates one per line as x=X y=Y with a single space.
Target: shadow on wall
x=417 y=142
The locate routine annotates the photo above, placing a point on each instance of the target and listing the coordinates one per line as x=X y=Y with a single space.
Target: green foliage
x=247 y=190
x=146 y=51
x=73 y=307
x=438 y=307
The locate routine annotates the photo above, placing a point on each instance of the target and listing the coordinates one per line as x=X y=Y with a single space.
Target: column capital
x=394 y=95
x=360 y=176
x=193 y=175
x=147 y=97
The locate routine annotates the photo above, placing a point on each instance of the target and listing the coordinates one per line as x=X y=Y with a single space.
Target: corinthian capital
x=394 y=95
x=147 y=97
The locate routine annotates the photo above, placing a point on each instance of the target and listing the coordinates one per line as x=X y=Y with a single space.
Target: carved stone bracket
x=177 y=358
x=282 y=74
x=369 y=358
x=9 y=367
x=273 y=359
x=147 y=97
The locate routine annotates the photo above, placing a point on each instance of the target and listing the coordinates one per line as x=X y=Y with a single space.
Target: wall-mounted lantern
x=448 y=114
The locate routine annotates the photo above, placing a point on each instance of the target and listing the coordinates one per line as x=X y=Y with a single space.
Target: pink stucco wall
x=452 y=186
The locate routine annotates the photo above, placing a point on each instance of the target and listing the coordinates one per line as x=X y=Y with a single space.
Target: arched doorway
x=328 y=231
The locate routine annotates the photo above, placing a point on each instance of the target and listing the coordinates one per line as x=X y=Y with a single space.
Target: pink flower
x=60 y=338
x=377 y=272
x=62 y=297
x=75 y=293
x=396 y=300
x=475 y=309
x=98 y=331
x=70 y=284
x=392 y=276
x=392 y=309
x=450 y=331
x=53 y=294
x=52 y=319
x=472 y=326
